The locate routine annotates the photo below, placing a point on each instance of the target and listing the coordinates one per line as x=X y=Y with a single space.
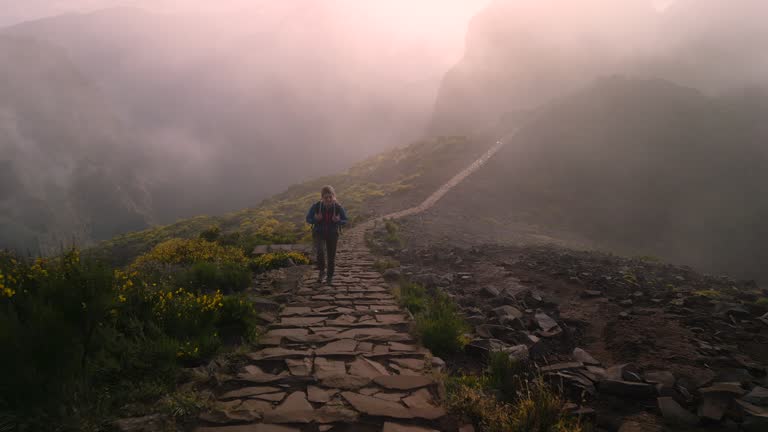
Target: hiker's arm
x=342 y=216
x=311 y=215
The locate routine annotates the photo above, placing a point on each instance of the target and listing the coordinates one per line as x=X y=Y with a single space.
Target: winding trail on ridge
x=340 y=358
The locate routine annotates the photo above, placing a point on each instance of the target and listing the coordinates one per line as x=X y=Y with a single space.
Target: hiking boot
x=329 y=281
x=321 y=276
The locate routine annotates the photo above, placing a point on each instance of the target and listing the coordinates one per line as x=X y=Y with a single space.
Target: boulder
x=518 y=352
x=627 y=389
x=507 y=313
x=714 y=405
x=545 y=322
x=755 y=418
x=675 y=414
x=582 y=356
x=665 y=378
x=758 y=396
x=490 y=291
x=391 y=274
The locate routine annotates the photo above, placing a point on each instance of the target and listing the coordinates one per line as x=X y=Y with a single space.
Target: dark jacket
x=326 y=225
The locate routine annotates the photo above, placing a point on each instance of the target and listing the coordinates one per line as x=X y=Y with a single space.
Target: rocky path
x=339 y=358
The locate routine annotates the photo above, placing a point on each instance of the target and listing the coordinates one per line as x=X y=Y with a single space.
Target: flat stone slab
x=247 y=392
x=395 y=427
x=367 y=368
x=301 y=321
x=325 y=368
x=342 y=345
x=277 y=353
x=399 y=382
x=376 y=407
x=295 y=409
x=320 y=395
x=413 y=364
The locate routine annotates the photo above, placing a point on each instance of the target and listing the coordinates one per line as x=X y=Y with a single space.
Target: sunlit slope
x=641 y=167
x=390 y=181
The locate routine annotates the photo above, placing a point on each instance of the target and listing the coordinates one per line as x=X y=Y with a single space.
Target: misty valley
x=338 y=215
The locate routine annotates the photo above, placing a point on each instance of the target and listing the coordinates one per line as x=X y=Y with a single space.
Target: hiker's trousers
x=325 y=245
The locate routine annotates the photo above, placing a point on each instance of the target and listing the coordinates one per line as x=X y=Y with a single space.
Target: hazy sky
x=13 y=11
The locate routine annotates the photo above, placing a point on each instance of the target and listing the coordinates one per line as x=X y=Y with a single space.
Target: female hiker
x=327 y=217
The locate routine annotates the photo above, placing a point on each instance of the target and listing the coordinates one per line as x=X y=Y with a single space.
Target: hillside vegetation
x=393 y=180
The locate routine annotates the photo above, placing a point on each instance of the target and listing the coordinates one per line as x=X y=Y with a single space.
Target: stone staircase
x=339 y=358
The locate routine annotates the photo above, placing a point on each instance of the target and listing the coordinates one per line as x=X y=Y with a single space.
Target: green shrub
x=393 y=236
x=504 y=374
x=412 y=297
x=763 y=301
x=227 y=277
x=383 y=264
x=237 y=319
x=83 y=340
x=441 y=327
x=211 y=234
x=271 y=261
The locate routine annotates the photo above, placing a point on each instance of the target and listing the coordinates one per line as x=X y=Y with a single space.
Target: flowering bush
x=75 y=331
x=275 y=260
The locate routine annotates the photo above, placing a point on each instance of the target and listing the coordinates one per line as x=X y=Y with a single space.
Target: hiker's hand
x=318 y=216
x=336 y=218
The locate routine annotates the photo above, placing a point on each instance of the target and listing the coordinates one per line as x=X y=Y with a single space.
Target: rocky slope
x=635 y=344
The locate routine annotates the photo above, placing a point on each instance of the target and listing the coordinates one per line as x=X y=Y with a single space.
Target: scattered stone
x=491 y=291
x=518 y=352
x=545 y=321
x=724 y=387
x=675 y=414
x=714 y=405
x=391 y=274
x=666 y=378
x=582 y=356
x=592 y=293
x=758 y=396
x=561 y=366
x=507 y=313
x=627 y=389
